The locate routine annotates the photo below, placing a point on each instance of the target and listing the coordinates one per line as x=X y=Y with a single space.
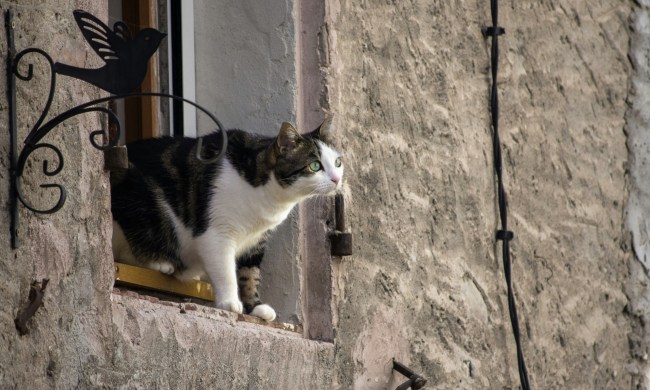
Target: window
x=254 y=65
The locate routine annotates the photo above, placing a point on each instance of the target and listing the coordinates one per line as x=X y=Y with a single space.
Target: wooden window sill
x=132 y=276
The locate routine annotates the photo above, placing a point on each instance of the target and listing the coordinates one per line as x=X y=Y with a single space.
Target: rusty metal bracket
x=414 y=382
x=36 y=293
x=341 y=241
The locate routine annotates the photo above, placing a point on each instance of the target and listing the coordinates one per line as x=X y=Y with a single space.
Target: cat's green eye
x=338 y=162
x=314 y=166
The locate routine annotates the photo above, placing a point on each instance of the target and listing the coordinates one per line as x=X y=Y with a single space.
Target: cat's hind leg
x=121 y=248
x=248 y=280
x=122 y=253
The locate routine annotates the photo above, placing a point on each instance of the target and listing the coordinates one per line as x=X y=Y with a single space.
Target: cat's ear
x=286 y=140
x=325 y=130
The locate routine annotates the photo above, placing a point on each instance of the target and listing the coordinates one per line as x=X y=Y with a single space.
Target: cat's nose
x=335 y=179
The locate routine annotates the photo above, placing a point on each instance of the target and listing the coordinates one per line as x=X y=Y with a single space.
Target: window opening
x=141 y=115
x=176 y=63
x=254 y=88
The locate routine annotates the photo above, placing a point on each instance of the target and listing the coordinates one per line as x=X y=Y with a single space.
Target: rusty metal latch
x=341 y=240
x=116 y=158
x=415 y=381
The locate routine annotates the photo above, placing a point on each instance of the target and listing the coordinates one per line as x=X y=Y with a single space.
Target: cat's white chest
x=245 y=213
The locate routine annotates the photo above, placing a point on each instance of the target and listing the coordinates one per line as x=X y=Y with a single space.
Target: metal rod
x=11 y=97
x=402 y=369
x=415 y=381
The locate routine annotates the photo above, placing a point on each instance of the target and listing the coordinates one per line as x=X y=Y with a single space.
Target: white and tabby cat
x=179 y=216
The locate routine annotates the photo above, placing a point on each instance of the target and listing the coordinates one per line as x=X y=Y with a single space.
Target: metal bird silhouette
x=126 y=57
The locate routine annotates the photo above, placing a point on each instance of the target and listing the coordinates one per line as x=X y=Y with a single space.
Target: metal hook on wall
x=414 y=382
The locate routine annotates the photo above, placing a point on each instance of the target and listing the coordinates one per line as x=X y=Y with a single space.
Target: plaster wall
x=69 y=247
x=638 y=209
x=410 y=83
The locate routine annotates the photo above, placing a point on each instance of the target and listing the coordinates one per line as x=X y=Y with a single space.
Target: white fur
x=264 y=312
x=328 y=159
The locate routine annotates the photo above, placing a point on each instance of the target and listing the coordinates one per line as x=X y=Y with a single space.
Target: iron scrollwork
x=122 y=73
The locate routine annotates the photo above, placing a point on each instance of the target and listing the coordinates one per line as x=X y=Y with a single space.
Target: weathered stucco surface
x=68 y=247
x=638 y=210
x=409 y=83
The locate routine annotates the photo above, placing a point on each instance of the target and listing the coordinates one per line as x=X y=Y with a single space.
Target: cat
x=174 y=214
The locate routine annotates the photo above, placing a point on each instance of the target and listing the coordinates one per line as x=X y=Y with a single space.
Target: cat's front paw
x=234 y=305
x=264 y=312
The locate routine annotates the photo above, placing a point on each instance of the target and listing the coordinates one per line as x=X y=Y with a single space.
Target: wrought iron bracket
x=111 y=78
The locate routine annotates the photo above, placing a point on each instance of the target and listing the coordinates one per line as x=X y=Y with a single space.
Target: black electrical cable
x=504 y=234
